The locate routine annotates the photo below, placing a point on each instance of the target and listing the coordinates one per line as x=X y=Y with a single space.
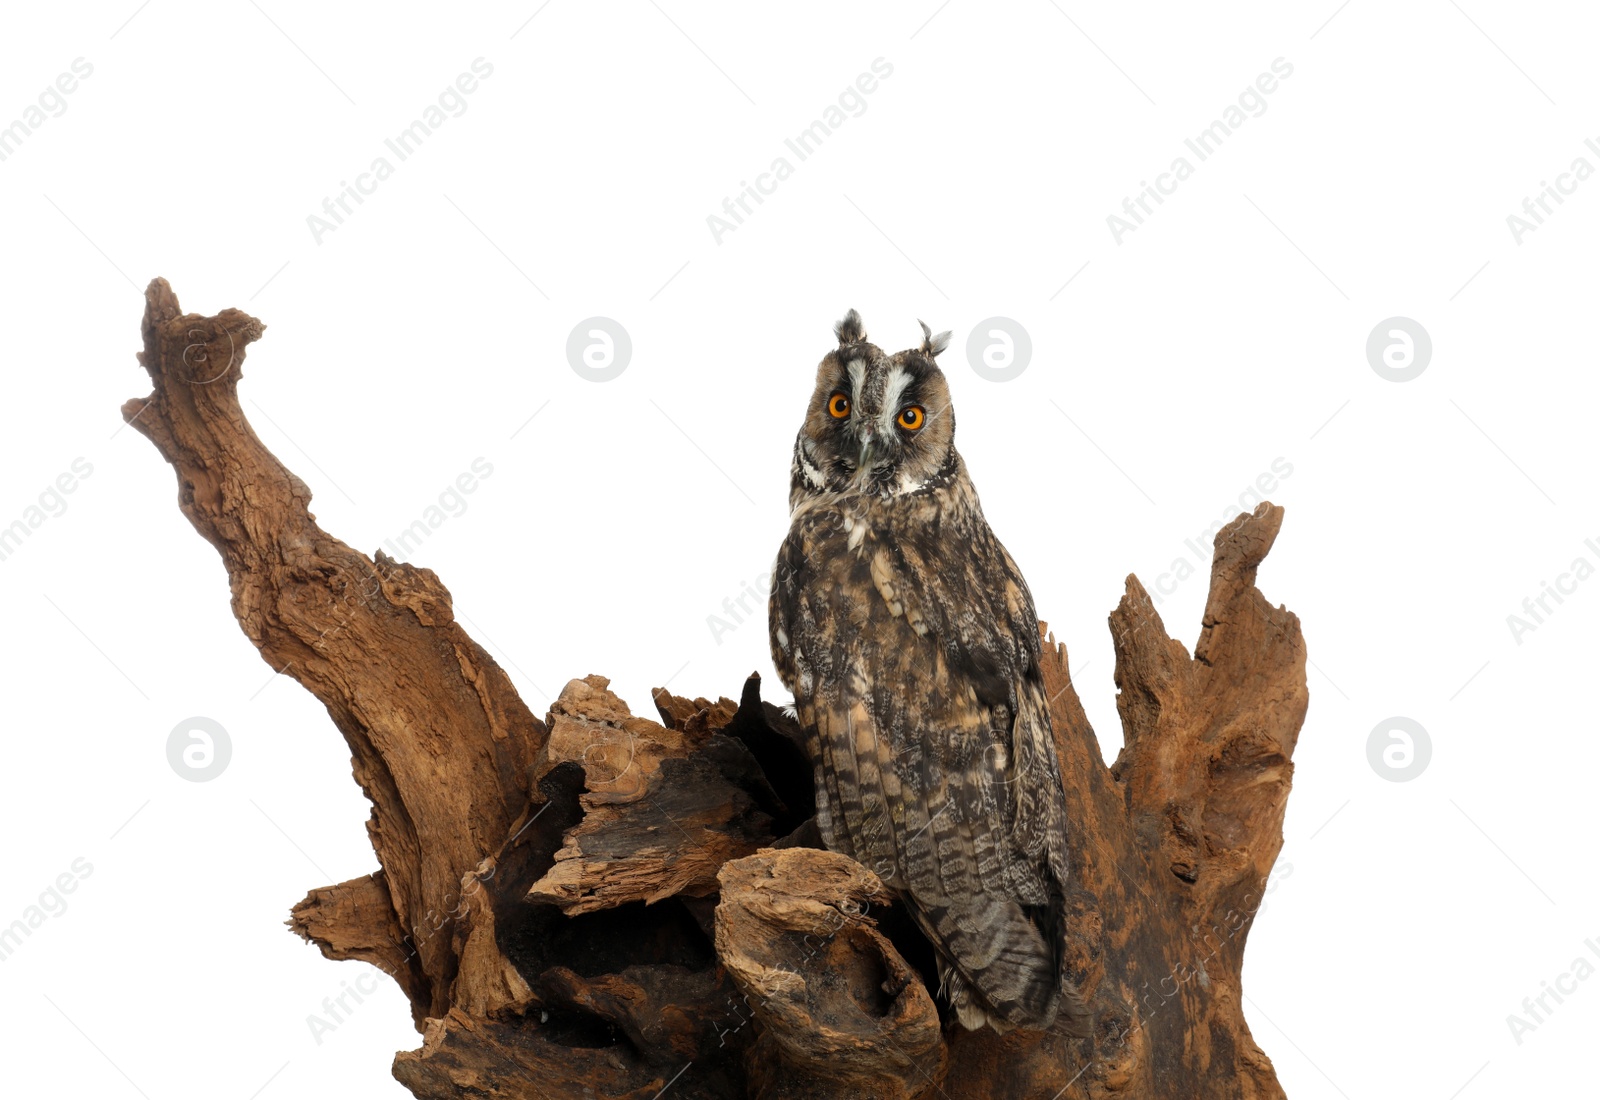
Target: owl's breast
x=873 y=573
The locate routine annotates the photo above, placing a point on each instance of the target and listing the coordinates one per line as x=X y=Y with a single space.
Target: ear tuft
x=932 y=345
x=850 y=330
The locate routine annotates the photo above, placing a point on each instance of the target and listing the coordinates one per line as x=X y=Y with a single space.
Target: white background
x=1409 y=919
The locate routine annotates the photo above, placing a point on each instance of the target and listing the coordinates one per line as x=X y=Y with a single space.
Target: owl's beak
x=866 y=452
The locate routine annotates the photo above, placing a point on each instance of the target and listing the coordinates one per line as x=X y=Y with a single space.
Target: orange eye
x=838 y=406
x=911 y=418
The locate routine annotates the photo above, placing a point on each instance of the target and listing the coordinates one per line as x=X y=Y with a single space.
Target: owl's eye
x=838 y=406
x=911 y=418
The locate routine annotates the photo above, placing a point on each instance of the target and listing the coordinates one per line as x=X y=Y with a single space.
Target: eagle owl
x=909 y=639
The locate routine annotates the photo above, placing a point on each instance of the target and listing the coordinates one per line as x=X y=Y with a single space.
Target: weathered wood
x=841 y=1013
x=663 y=808
x=355 y=920
x=604 y=905
x=441 y=743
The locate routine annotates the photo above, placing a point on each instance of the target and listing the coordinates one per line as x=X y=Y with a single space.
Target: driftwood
x=598 y=904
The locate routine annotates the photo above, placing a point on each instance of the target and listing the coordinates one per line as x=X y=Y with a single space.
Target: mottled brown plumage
x=909 y=639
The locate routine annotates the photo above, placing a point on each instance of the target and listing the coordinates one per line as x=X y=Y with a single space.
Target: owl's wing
x=915 y=666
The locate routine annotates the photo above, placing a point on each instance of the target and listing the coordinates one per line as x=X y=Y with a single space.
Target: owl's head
x=877 y=423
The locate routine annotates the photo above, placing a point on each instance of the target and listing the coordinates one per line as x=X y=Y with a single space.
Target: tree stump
x=598 y=904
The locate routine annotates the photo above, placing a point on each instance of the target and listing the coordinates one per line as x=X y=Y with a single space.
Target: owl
x=909 y=639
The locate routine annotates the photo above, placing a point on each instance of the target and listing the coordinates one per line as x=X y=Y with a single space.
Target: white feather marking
x=808 y=470
x=909 y=483
x=858 y=371
x=893 y=388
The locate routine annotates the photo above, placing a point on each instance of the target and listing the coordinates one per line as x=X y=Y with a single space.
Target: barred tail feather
x=995 y=967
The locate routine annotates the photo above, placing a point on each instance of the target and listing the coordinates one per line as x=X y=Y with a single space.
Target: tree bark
x=604 y=905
